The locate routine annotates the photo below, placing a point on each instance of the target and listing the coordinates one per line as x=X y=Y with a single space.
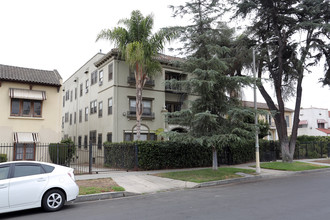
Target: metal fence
x=312 y=149
x=84 y=159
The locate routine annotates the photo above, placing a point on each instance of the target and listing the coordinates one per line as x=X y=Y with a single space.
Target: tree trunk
x=138 y=107
x=215 y=159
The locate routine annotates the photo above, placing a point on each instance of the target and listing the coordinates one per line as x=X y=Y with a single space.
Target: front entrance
x=24 y=151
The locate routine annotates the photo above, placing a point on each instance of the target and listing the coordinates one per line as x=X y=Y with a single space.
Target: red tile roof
x=28 y=75
x=261 y=105
x=327 y=131
x=162 y=58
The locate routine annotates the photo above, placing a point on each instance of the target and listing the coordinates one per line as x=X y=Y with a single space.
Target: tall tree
x=139 y=47
x=215 y=119
x=290 y=36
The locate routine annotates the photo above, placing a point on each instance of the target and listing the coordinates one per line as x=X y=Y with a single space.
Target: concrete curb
x=229 y=181
x=103 y=196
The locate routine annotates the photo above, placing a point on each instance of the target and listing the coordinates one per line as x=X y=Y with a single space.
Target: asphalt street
x=301 y=196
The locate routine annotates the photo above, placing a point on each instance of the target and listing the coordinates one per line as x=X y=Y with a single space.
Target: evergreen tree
x=215 y=118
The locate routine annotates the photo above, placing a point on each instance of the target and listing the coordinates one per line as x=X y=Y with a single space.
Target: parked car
x=29 y=184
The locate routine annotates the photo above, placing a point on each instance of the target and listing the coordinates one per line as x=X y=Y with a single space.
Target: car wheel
x=53 y=200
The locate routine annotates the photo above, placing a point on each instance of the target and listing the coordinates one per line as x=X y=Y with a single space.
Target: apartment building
x=314 y=122
x=31 y=111
x=99 y=101
x=288 y=114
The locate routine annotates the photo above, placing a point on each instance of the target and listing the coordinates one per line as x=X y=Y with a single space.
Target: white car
x=29 y=184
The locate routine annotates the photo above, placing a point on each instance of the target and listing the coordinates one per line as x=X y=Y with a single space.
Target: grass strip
x=294 y=166
x=206 y=175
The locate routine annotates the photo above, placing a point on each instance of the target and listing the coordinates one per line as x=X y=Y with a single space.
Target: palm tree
x=138 y=46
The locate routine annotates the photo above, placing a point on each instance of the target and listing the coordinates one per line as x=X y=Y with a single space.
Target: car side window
x=48 y=168
x=4 y=171
x=27 y=170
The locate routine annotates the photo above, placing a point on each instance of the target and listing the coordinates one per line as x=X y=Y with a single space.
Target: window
x=92 y=137
x=70 y=119
x=75 y=93
x=71 y=96
x=81 y=89
x=63 y=101
x=93 y=107
x=99 y=141
x=94 y=77
x=4 y=171
x=173 y=106
x=270 y=120
x=287 y=121
x=109 y=137
x=24 y=151
x=75 y=118
x=85 y=142
x=101 y=77
x=86 y=114
x=146 y=105
x=100 y=109
x=110 y=75
x=66 y=117
x=87 y=85
x=62 y=121
x=80 y=115
x=110 y=106
x=79 y=141
x=27 y=170
x=67 y=95
x=320 y=125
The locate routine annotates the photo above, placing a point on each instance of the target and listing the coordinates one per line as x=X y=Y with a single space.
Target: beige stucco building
x=288 y=114
x=99 y=101
x=30 y=112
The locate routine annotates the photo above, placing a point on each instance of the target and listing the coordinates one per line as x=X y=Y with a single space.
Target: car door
x=27 y=184
x=4 y=186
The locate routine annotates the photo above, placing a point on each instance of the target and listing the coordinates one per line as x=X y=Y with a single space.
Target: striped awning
x=303 y=122
x=321 y=121
x=27 y=94
x=26 y=137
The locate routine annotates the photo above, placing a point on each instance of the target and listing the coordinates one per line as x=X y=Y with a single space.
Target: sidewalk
x=141 y=182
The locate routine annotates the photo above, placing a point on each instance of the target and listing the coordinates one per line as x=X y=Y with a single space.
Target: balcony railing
x=149 y=82
x=145 y=116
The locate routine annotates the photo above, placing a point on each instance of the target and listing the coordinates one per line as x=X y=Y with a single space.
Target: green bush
x=3 y=158
x=62 y=153
x=152 y=155
x=156 y=155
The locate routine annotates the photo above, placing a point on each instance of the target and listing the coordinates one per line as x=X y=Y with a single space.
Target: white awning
x=26 y=137
x=27 y=94
x=321 y=121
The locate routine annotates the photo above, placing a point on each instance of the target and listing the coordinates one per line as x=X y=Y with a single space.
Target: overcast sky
x=60 y=34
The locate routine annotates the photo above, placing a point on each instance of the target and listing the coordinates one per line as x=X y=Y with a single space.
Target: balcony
x=149 y=82
x=145 y=116
x=173 y=89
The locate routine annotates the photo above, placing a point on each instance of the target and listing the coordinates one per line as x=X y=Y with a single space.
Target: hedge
x=62 y=153
x=169 y=155
x=3 y=158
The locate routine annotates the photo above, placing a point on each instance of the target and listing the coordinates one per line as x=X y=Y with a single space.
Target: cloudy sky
x=60 y=34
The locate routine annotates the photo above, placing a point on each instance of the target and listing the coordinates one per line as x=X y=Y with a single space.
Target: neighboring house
x=99 y=101
x=288 y=114
x=314 y=122
x=30 y=112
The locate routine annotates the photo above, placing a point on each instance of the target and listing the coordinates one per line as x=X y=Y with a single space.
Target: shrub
x=3 y=158
x=62 y=153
